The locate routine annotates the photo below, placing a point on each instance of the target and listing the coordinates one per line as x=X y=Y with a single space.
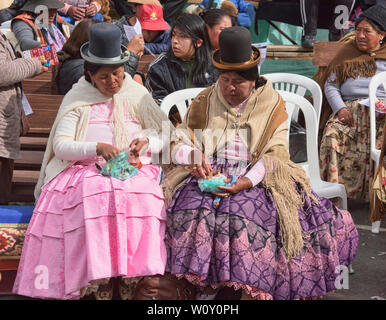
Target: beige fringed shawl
x=132 y=97
x=265 y=121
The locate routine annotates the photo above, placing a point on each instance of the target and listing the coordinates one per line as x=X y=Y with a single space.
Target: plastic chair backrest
x=292 y=99
x=298 y=84
x=376 y=81
x=181 y=99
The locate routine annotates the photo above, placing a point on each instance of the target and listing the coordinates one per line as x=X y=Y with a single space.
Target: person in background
x=32 y=33
x=78 y=10
x=12 y=11
x=71 y=67
x=13 y=70
x=122 y=8
x=155 y=30
x=216 y=20
x=309 y=14
x=129 y=24
x=246 y=11
x=344 y=121
x=88 y=228
x=187 y=63
x=173 y=9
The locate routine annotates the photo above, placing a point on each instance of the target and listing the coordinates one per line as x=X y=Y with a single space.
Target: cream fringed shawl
x=132 y=97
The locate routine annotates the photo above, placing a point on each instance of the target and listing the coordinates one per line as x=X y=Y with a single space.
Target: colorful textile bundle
x=119 y=167
x=210 y=185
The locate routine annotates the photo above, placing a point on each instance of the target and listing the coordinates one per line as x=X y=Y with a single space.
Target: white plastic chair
x=181 y=99
x=376 y=81
x=321 y=188
x=298 y=84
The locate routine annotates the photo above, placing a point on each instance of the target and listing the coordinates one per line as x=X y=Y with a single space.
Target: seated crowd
x=165 y=232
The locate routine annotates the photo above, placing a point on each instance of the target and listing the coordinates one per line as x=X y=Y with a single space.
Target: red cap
x=150 y=17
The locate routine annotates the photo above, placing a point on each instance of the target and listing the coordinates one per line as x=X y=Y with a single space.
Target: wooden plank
x=29 y=160
x=45 y=108
x=287 y=48
x=288 y=52
x=8 y=263
x=325 y=51
x=46 y=75
x=288 y=56
x=37 y=86
x=33 y=143
x=25 y=176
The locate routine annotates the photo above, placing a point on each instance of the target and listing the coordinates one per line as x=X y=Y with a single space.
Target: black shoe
x=308 y=41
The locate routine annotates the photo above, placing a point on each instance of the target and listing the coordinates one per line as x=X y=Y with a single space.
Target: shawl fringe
x=281 y=179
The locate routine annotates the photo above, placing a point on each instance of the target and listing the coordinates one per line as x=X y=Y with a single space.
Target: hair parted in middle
x=193 y=27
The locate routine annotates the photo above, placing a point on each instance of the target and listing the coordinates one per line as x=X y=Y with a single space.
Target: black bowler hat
x=104 y=47
x=235 y=52
x=377 y=13
x=50 y=4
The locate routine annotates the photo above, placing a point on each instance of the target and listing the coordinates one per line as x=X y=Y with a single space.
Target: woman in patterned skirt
x=269 y=235
x=345 y=121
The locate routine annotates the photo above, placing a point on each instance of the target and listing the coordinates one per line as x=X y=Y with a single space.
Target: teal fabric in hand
x=210 y=185
x=119 y=167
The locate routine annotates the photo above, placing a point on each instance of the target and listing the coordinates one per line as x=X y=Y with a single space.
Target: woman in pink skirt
x=88 y=228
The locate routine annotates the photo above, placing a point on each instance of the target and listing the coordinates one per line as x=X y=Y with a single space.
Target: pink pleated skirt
x=87 y=227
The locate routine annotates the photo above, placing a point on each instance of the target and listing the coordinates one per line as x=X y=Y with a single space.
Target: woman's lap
x=87 y=227
x=215 y=248
x=345 y=151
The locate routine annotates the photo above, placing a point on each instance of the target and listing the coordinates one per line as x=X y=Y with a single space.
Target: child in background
x=154 y=28
x=187 y=64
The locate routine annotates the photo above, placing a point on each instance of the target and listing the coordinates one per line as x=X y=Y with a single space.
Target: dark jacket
x=160 y=44
x=71 y=70
x=167 y=74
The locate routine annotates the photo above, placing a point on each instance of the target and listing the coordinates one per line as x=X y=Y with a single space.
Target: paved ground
x=369 y=278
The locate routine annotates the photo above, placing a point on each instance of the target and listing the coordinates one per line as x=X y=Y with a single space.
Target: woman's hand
x=200 y=166
x=107 y=151
x=76 y=13
x=136 y=45
x=91 y=10
x=345 y=117
x=241 y=184
x=137 y=144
